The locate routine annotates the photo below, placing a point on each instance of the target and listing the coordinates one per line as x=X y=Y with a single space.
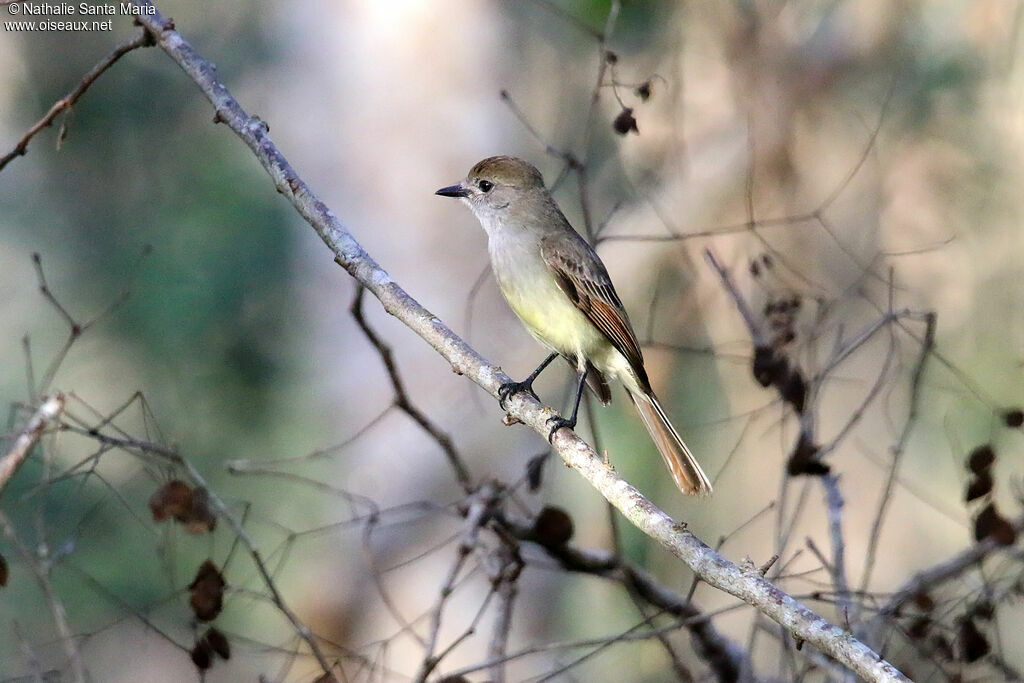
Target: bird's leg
x=559 y=422
x=509 y=388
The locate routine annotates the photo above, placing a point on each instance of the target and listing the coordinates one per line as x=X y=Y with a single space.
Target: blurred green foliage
x=207 y=304
x=143 y=167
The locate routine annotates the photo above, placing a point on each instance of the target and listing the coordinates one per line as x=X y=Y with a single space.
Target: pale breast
x=535 y=297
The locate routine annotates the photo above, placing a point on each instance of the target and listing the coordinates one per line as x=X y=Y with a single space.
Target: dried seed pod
x=186 y=505
x=919 y=628
x=803 y=460
x=173 y=499
x=924 y=602
x=973 y=643
x=200 y=518
x=769 y=367
x=794 y=391
x=625 y=122
x=207 y=590
x=218 y=642
x=202 y=655
x=553 y=527
x=991 y=524
x=983 y=609
x=981 y=458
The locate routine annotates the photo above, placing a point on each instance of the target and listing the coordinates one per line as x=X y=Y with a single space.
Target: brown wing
x=581 y=275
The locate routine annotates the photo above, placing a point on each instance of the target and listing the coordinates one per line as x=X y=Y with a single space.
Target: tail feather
x=598 y=384
x=686 y=472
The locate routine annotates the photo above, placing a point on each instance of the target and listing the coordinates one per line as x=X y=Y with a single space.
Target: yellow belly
x=548 y=314
x=552 y=319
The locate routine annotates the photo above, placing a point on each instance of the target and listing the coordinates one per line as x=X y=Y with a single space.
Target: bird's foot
x=510 y=388
x=557 y=423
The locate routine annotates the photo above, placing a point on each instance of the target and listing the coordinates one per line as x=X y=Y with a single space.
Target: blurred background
x=870 y=149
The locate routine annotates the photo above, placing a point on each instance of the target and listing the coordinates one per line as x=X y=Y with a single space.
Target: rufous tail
x=688 y=475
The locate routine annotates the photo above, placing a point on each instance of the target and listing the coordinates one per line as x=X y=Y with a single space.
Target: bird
x=559 y=288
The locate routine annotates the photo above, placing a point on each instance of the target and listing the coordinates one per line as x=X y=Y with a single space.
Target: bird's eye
x=485 y=185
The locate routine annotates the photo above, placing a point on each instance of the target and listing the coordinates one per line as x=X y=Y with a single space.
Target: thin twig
x=830 y=482
x=41 y=570
x=749 y=319
x=172 y=456
x=75 y=329
x=32 y=659
x=724 y=656
x=476 y=516
x=505 y=582
x=834 y=505
x=897 y=452
x=935 y=576
x=145 y=39
x=631 y=635
x=402 y=397
x=613 y=529
x=570 y=160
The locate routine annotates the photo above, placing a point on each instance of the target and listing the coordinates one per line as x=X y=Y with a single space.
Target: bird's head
x=497 y=185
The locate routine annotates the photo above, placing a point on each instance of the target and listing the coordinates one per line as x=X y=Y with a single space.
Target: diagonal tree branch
x=746 y=584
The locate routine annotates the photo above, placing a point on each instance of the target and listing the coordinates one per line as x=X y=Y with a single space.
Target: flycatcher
x=558 y=286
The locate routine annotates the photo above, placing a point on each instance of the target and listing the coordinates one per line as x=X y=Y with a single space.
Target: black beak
x=453 y=191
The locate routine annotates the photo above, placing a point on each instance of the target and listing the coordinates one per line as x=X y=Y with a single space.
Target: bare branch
x=49 y=411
